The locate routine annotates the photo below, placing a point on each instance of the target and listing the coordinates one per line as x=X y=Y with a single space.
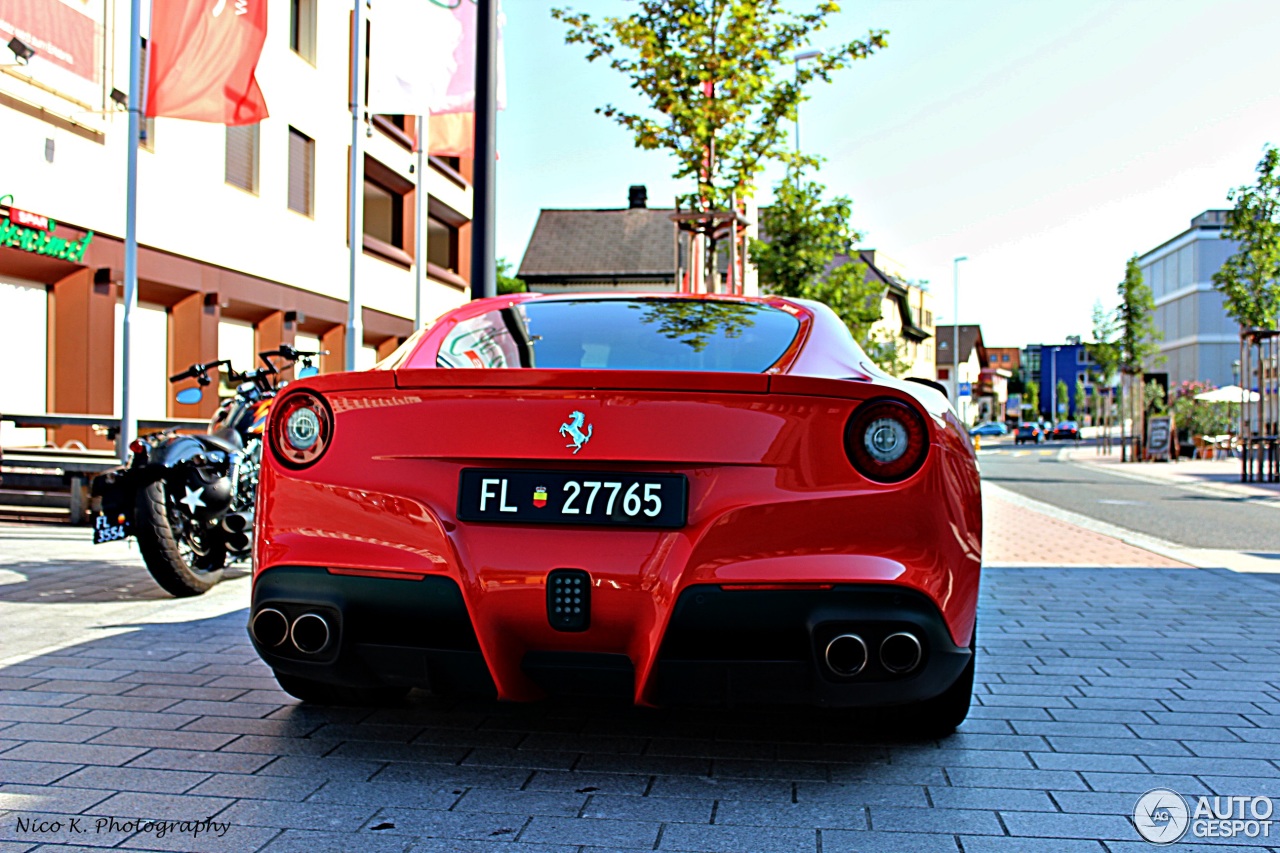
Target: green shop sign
x=33 y=233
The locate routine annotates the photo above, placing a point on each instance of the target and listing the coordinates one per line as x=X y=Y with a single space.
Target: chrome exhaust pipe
x=237 y=522
x=901 y=653
x=269 y=627
x=238 y=543
x=310 y=633
x=846 y=655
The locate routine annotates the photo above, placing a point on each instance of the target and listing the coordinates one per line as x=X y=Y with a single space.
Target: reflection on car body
x=672 y=498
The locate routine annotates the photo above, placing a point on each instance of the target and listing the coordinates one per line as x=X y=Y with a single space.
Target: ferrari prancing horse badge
x=573 y=429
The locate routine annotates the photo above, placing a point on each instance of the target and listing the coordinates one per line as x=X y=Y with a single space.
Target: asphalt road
x=1167 y=512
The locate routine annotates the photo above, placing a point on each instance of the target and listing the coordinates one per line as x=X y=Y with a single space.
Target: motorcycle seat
x=224 y=439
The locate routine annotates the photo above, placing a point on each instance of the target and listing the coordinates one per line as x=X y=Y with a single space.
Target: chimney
x=637 y=196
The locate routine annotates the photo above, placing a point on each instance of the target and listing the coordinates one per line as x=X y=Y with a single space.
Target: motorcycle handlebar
x=197 y=370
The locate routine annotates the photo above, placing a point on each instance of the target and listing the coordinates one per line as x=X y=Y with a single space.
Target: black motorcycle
x=189 y=498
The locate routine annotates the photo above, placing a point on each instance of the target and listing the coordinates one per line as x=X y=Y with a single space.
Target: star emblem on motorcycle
x=192 y=500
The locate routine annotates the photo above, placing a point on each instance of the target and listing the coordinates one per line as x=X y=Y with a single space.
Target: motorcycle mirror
x=189 y=396
x=304 y=372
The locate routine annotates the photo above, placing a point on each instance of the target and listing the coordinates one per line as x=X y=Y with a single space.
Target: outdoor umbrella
x=1228 y=394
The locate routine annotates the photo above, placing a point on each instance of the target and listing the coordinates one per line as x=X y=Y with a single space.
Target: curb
x=1210 y=559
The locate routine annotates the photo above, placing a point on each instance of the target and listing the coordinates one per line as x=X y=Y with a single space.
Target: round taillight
x=886 y=440
x=301 y=429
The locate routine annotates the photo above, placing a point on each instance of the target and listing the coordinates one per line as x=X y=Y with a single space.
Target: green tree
x=719 y=81
x=1081 y=400
x=1031 y=397
x=1104 y=351
x=805 y=234
x=1060 y=393
x=508 y=283
x=1137 y=340
x=1248 y=279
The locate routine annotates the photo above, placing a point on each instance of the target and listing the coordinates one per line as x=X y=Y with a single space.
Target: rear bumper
x=720 y=646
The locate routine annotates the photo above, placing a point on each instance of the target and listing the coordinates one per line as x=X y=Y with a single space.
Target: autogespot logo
x=1162 y=816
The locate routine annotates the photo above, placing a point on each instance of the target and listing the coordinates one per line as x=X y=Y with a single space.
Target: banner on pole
x=422 y=58
x=202 y=56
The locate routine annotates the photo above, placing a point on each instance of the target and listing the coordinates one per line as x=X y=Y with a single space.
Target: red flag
x=202 y=55
x=451 y=135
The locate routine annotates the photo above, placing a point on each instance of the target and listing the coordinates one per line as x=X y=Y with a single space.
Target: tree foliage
x=508 y=283
x=1031 y=397
x=1104 y=351
x=1154 y=399
x=719 y=81
x=1250 y=279
x=1137 y=337
x=805 y=235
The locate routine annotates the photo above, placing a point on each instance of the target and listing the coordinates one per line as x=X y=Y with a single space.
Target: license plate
x=105 y=531
x=573 y=497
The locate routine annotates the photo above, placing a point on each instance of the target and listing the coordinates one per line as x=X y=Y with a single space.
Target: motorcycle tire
x=183 y=563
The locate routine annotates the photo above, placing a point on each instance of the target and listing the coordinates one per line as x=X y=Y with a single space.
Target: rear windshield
x=624 y=334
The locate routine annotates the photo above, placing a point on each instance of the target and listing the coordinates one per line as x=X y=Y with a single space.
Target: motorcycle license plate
x=105 y=531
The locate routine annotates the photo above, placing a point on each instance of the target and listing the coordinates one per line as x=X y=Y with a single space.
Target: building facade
x=1049 y=364
x=242 y=231
x=906 y=315
x=965 y=370
x=1199 y=340
x=1005 y=358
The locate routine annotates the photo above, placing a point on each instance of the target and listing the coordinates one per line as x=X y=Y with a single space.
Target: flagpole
x=128 y=421
x=420 y=220
x=483 y=268
x=355 y=189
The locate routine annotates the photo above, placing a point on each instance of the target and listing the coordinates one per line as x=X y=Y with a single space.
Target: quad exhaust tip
x=846 y=655
x=900 y=653
x=310 y=633
x=269 y=627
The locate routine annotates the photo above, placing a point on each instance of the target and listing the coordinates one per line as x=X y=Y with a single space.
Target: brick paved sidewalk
x=1015 y=535
x=1094 y=685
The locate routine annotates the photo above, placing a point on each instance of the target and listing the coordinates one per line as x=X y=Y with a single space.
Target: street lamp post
x=955 y=327
x=797 y=59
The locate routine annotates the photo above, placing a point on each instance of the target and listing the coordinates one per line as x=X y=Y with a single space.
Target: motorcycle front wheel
x=181 y=558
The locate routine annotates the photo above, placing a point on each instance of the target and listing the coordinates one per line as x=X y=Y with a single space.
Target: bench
x=41 y=482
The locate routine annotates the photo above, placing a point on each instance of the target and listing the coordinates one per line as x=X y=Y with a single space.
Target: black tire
x=182 y=562
x=320 y=693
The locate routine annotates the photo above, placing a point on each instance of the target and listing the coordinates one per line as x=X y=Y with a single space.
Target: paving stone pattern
x=1094 y=686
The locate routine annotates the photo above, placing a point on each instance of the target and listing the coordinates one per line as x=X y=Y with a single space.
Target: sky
x=1045 y=141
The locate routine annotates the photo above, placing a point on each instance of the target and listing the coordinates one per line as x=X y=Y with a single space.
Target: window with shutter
x=442 y=244
x=302 y=29
x=301 y=171
x=242 y=157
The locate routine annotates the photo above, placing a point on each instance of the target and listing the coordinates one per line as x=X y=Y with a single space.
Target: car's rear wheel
x=321 y=693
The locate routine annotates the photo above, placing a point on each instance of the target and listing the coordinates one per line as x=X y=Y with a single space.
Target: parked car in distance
x=990 y=428
x=1067 y=429
x=1029 y=432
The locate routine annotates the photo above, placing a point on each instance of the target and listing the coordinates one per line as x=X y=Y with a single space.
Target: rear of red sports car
x=672 y=499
